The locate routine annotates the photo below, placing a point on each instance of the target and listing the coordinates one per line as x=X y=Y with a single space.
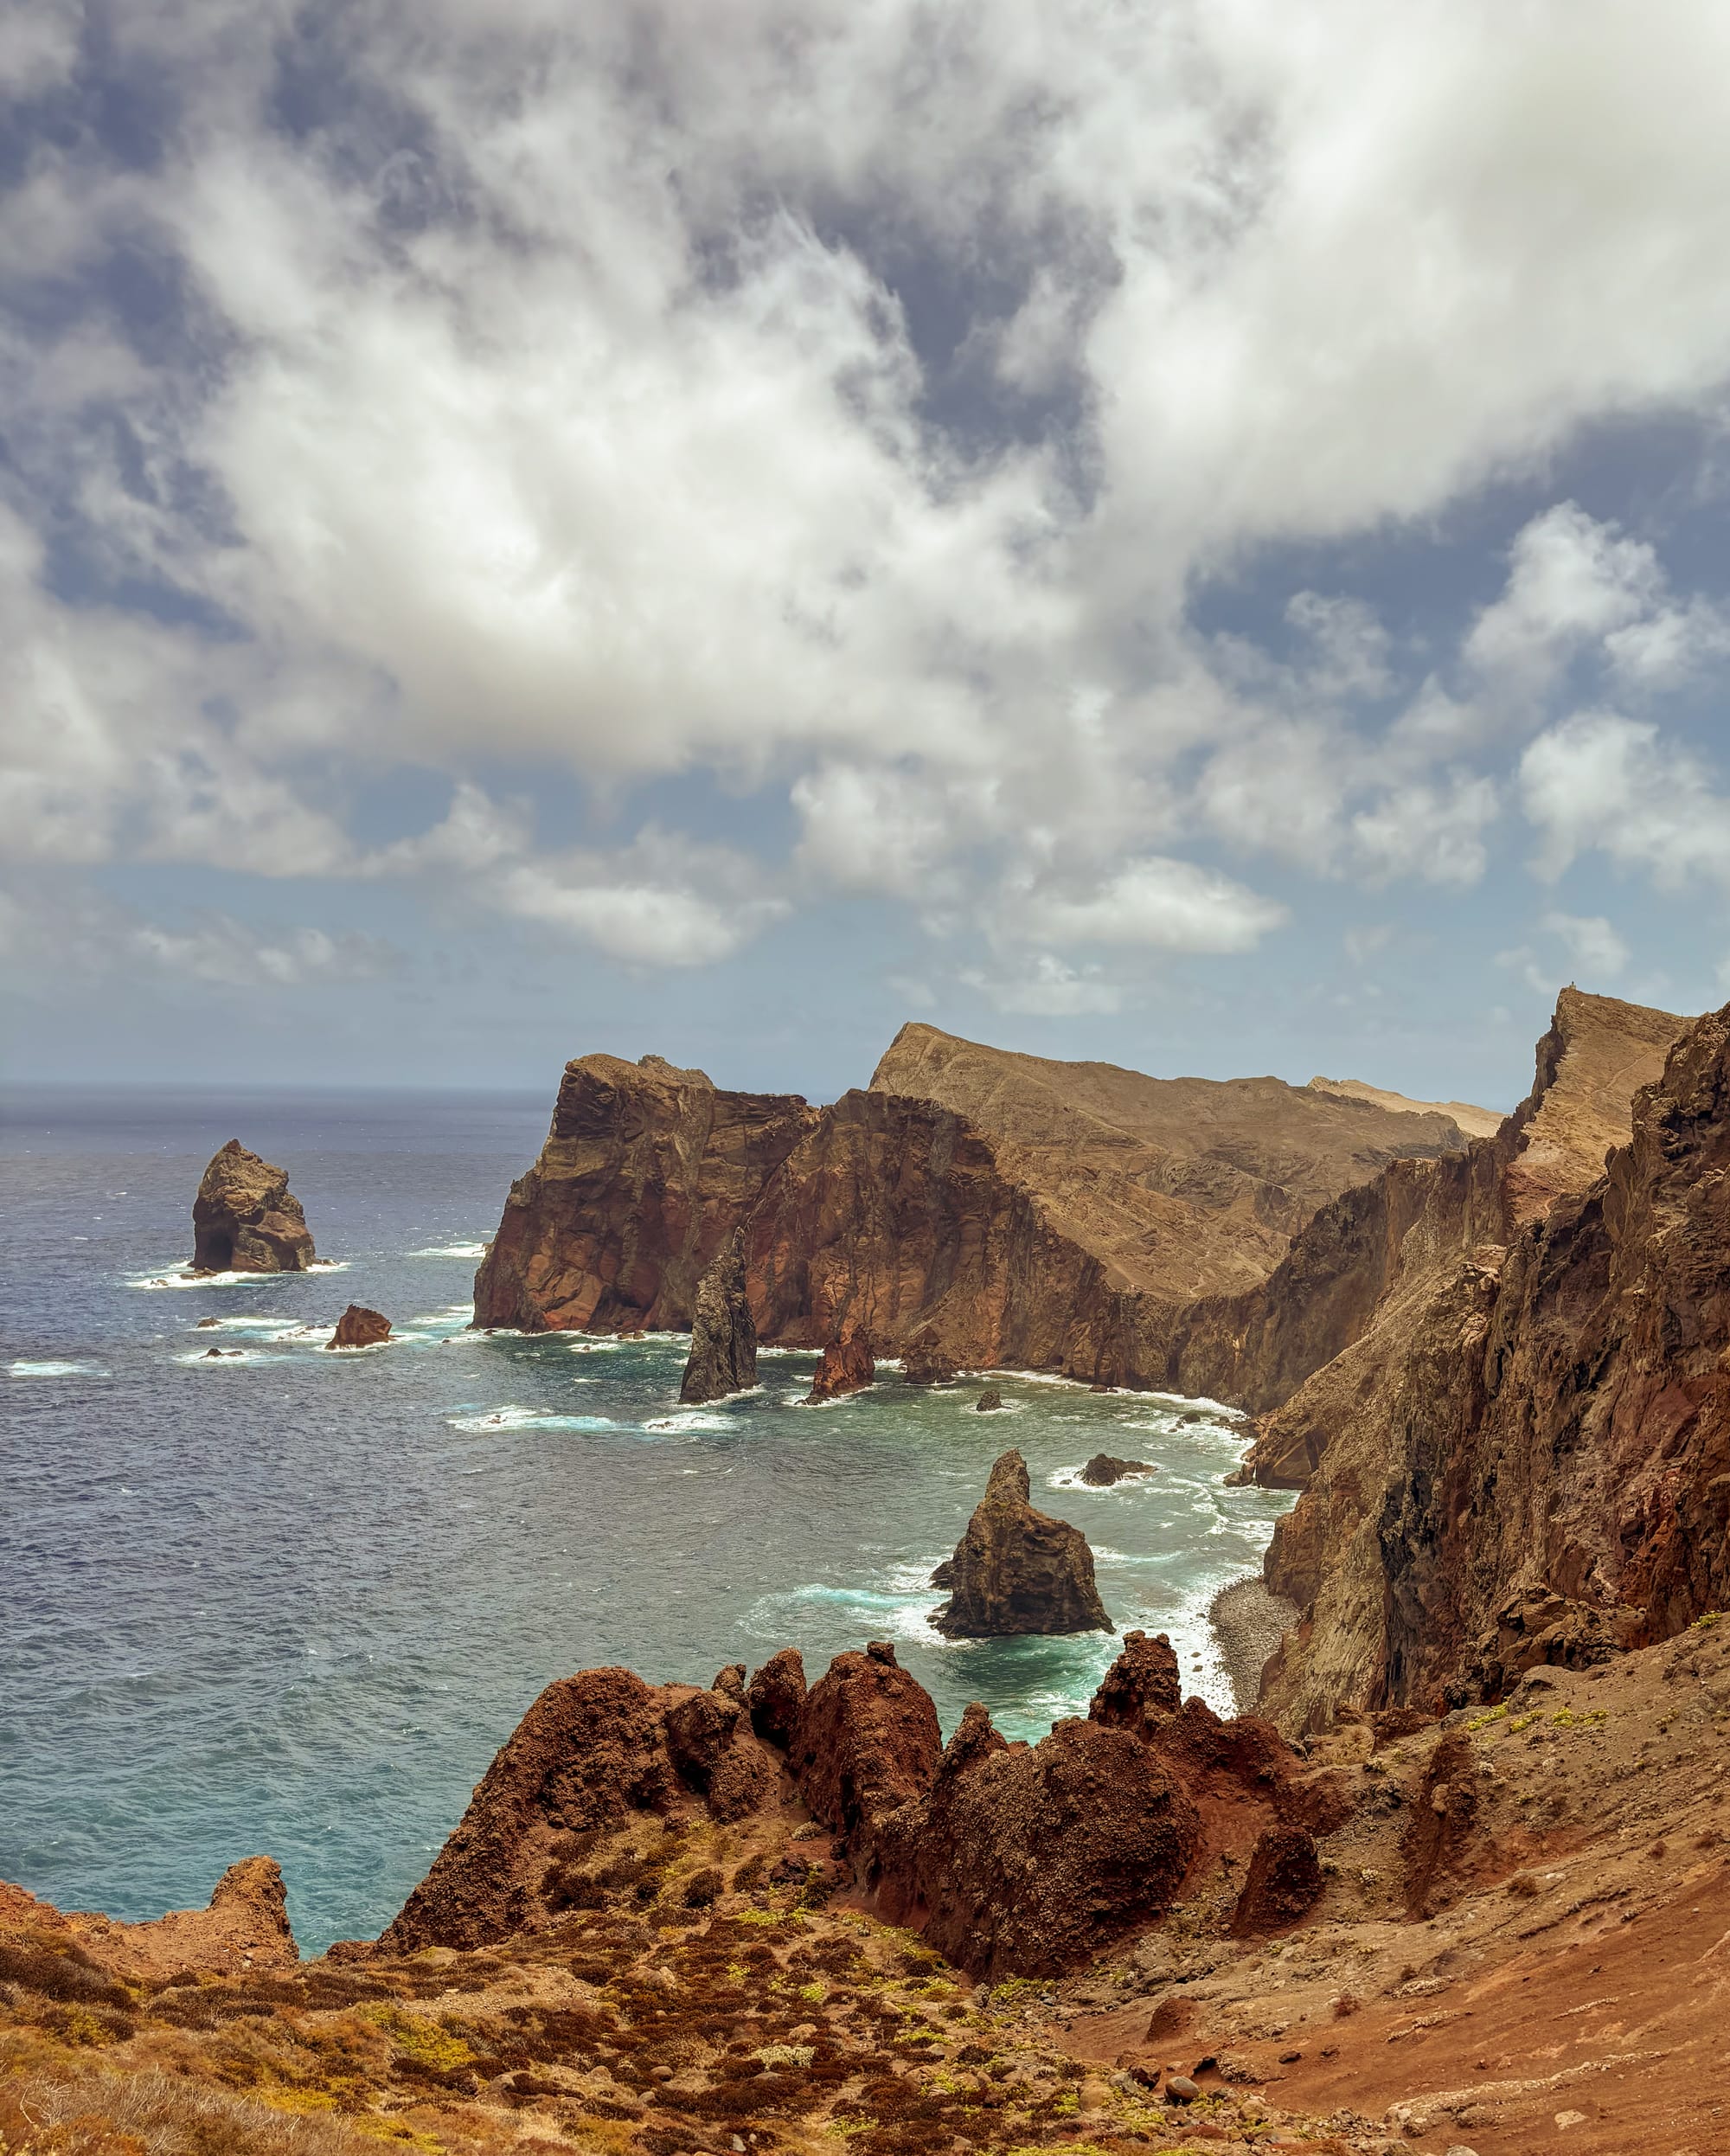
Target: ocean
x=292 y=1601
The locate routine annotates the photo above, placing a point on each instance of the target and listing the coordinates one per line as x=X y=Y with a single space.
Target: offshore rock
x=593 y=1750
x=1102 y=1472
x=246 y=1219
x=989 y=1402
x=923 y=1363
x=1015 y=1570
x=723 y=1357
x=1529 y=1457
x=646 y=1172
x=847 y=1366
x=359 y=1327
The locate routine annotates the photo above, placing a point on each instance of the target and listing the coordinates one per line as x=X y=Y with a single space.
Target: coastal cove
x=283 y=1600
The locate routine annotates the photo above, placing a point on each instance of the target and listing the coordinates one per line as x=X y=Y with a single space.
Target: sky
x=1193 y=534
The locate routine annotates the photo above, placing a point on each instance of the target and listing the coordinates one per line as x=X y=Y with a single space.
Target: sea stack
x=359 y=1327
x=847 y=1366
x=1102 y=1471
x=1016 y=1570
x=246 y=1219
x=723 y=1357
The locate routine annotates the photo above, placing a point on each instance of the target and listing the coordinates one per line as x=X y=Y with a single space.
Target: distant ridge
x=1476 y=1122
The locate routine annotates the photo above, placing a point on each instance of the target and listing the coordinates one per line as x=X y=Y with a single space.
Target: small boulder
x=1015 y=1570
x=847 y=1366
x=923 y=1363
x=989 y=1402
x=245 y=1219
x=723 y=1357
x=1102 y=1471
x=359 y=1327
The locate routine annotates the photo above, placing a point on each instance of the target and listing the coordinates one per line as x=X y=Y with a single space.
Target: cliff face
x=1369 y=1244
x=646 y=1172
x=1528 y=1456
x=1002 y=1209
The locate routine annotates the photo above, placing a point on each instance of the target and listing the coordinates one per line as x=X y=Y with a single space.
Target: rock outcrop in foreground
x=1008 y=1858
x=723 y=1357
x=1015 y=1570
x=359 y=1327
x=246 y=1219
x=975 y=1208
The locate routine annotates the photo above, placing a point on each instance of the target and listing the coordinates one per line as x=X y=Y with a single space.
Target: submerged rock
x=1102 y=1471
x=1015 y=1570
x=723 y=1357
x=847 y=1366
x=245 y=1218
x=359 y=1327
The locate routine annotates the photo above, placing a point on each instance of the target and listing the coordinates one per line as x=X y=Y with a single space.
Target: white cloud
x=46 y=932
x=1598 y=781
x=1053 y=989
x=1160 y=904
x=1594 y=944
x=1572 y=581
x=557 y=398
x=1435 y=832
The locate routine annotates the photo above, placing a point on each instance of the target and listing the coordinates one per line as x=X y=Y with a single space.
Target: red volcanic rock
x=846 y=1367
x=1015 y=1570
x=1030 y=1858
x=1285 y=1883
x=593 y=1750
x=646 y=1172
x=1142 y=1690
x=867 y=1742
x=723 y=1357
x=245 y=1218
x=924 y=1363
x=359 y=1327
x=776 y=1697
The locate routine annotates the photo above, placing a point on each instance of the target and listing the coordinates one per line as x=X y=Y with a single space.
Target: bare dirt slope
x=1476 y=1122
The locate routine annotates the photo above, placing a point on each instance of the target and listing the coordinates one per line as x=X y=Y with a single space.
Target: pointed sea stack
x=1016 y=1570
x=847 y=1366
x=246 y=1219
x=723 y=1357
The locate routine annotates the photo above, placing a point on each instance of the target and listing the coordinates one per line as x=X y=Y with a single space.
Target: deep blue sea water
x=293 y=1600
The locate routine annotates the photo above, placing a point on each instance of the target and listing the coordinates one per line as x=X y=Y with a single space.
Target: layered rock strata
x=1015 y=1570
x=246 y=1219
x=723 y=1355
x=1528 y=1449
x=647 y=1170
x=971 y=1210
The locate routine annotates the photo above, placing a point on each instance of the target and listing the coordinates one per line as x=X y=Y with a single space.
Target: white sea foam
x=506 y=1419
x=688 y=1419
x=228 y=1358
x=24 y=1368
x=175 y=1275
x=1129 y=1486
x=451 y=1250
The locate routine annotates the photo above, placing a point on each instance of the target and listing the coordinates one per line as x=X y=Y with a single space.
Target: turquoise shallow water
x=292 y=1600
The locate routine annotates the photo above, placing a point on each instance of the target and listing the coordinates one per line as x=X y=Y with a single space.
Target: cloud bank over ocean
x=1100 y=518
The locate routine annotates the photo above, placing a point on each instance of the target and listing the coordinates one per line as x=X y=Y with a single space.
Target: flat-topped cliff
x=1004 y=1209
